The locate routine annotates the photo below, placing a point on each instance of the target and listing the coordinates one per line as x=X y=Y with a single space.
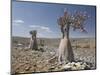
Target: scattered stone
x=76 y=66
x=39 y=61
x=41 y=49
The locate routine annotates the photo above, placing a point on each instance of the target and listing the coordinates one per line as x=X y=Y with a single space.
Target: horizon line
x=52 y=37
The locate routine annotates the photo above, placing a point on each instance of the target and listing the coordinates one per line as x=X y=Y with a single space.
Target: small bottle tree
x=33 y=40
x=65 y=22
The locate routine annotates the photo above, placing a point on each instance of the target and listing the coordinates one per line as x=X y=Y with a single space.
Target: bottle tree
x=33 y=40
x=77 y=20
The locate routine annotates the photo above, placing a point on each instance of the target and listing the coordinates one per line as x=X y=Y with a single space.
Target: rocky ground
x=27 y=61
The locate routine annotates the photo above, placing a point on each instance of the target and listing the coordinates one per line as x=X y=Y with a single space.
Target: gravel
x=27 y=61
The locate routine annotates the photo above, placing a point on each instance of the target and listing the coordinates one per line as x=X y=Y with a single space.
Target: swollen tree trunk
x=65 y=49
x=33 y=41
x=34 y=45
x=70 y=56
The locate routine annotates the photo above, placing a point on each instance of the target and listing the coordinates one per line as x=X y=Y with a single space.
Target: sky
x=27 y=16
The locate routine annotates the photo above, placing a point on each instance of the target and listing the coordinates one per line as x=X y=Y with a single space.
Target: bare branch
x=76 y=21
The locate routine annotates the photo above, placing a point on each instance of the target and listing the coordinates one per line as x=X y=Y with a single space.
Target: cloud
x=43 y=31
x=18 y=21
x=34 y=26
x=41 y=28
